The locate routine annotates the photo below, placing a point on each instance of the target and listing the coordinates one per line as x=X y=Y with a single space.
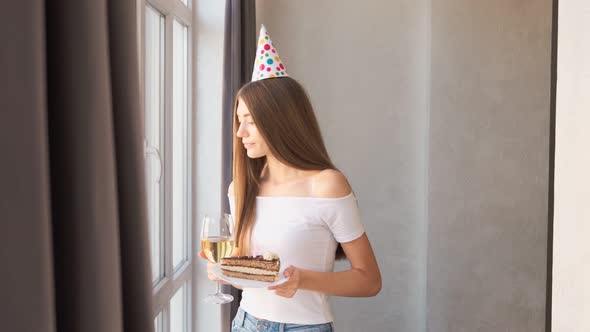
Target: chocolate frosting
x=253 y=258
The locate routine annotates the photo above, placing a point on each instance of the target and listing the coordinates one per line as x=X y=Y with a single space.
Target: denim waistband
x=244 y=319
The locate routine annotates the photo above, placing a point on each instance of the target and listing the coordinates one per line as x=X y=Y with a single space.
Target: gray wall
x=448 y=163
x=489 y=158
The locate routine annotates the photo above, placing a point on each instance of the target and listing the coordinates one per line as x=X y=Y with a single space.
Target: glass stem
x=218 y=286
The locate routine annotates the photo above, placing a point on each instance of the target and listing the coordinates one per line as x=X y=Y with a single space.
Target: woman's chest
x=300 y=187
x=290 y=228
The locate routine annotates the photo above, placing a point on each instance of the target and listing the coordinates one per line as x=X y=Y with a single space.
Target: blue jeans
x=244 y=322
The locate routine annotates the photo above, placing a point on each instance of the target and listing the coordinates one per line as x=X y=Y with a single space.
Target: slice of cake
x=261 y=268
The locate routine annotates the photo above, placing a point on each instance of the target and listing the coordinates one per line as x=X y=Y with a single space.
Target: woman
x=288 y=198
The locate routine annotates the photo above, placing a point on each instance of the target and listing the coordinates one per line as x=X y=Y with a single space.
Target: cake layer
x=249 y=270
x=253 y=262
x=249 y=276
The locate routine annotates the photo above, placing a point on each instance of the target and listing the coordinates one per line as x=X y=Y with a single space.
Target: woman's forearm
x=352 y=283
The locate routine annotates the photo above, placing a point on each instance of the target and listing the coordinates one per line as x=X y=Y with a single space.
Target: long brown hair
x=285 y=119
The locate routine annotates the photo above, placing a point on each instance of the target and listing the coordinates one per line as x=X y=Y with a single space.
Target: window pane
x=159 y=323
x=179 y=143
x=178 y=310
x=154 y=108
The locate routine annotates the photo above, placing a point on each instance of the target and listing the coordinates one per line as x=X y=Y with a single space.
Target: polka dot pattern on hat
x=268 y=64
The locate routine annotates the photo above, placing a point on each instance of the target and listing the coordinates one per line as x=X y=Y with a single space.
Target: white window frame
x=173 y=280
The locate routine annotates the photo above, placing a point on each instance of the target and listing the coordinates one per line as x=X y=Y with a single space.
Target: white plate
x=245 y=283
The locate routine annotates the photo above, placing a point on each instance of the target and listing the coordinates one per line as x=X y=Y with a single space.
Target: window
x=165 y=45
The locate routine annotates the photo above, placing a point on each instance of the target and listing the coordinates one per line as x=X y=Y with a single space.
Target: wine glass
x=217 y=242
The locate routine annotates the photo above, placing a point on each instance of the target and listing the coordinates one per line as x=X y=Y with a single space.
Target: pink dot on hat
x=267 y=47
x=262 y=66
x=267 y=68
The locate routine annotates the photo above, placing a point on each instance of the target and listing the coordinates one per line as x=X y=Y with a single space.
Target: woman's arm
x=363 y=279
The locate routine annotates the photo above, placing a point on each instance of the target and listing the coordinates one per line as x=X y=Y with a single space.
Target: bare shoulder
x=330 y=183
x=230 y=189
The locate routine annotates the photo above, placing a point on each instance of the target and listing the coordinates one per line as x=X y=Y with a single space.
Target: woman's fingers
x=210 y=274
x=210 y=266
x=210 y=271
x=285 y=293
x=275 y=287
x=212 y=277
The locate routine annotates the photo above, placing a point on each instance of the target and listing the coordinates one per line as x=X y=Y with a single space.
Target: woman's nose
x=241 y=132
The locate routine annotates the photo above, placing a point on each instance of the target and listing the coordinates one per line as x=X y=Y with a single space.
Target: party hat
x=268 y=64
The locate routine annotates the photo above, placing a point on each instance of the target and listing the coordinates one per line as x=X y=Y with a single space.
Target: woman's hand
x=210 y=269
x=289 y=287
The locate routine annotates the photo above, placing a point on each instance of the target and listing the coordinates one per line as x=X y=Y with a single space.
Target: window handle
x=152 y=150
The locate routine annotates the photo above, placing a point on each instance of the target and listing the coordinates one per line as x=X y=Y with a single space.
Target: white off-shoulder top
x=304 y=232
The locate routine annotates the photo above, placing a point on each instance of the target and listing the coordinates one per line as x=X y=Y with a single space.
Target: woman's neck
x=277 y=173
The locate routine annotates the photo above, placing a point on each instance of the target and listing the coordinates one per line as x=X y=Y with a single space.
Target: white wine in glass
x=217 y=247
x=217 y=242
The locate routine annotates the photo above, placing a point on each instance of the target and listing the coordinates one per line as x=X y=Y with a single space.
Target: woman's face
x=253 y=142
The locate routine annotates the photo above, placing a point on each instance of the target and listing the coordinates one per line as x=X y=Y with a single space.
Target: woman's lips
x=247 y=145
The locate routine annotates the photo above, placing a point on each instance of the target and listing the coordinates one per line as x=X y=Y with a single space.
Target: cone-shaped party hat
x=268 y=64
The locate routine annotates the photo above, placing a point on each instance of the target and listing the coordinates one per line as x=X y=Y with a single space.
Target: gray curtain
x=239 y=49
x=73 y=233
